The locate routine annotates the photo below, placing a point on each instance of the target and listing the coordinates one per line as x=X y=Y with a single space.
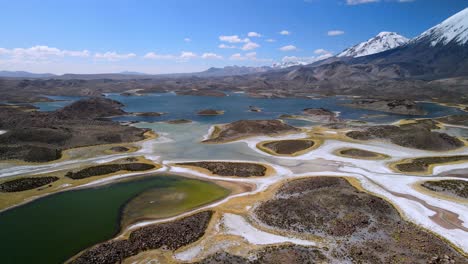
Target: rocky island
x=249 y=128
x=397 y=106
x=210 y=112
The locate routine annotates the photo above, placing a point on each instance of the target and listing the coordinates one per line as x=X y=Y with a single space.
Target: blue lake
x=236 y=107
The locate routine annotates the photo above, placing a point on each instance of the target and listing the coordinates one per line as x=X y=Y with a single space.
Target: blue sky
x=162 y=36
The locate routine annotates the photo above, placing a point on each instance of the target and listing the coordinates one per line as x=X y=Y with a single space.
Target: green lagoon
x=54 y=228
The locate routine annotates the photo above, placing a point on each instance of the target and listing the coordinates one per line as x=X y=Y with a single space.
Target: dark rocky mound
x=359 y=153
x=291 y=254
x=212 y=93
x=288 y=147
x=179 y=121
x=411 y=136
x=119 y=149
x=210 y=112
x=40 y=136
x=457 y=188
x=321 y=115
x=239 y=169
x=171 y=236
x=254 y=109
x=249 y=128
x=148 y=114
x=422 y=164
x=91 y=108
x=24 y=184
x=459 y=120
x=396 y=106
x=108 y=169
x=30 y=153
x=367 y=229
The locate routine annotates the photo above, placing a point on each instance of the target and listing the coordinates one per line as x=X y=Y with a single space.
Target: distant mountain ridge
x=24 y=74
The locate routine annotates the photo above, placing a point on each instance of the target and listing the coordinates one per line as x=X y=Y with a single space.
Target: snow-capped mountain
x=382 y=42
x=453 y=29
x=439 y=52
x=286 y=64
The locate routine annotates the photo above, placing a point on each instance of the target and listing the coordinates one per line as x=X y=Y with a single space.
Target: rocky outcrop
x=210 y=112
x=91 y=108
x=249 y=128
x=402 y=107
x=41 y=136
x=24 y=184
x=321 y=115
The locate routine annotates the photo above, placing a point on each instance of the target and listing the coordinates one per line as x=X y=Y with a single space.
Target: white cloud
x=285 y=32
x=253 y=34
x=155 y=56
x=250 y=46
x=360 y=2
x=271 y=40
x=237 y=56
x=288 y=48
x=114 y=56
x=186 y=55
x=224 y=46
x=321 y=51
x=210 y=55
x=307 y=60
x=187 y=39
x=333 y=33
x=250 y=56
x=233 y=39
x=41 y=53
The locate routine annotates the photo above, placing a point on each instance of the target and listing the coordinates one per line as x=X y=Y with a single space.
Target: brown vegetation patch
x=108 y=169
x=414 y=135
x=370 y=230
x=287 y=147
x=425 y=164
x=360 y=154
x=249 y=128
x=221 y=168
x=24 y=184
x=291 y=254
x=459 y=120
x=170 y=236
x=457 y=188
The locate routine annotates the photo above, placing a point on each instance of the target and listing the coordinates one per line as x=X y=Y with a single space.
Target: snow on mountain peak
x=382 y=42
x=454 y=28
